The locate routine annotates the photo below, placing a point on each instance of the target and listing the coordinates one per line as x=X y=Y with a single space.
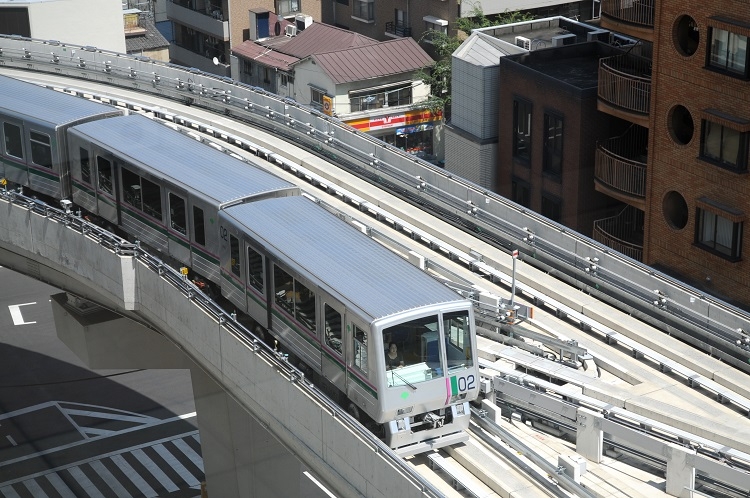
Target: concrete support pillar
x=680 y=470
x=589 y=435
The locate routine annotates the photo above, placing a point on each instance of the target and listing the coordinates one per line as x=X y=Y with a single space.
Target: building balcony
x=620 y=166
x=625 y=87
x=397 y=30
x=204 y=62
x=622 y=232
x=630 y=17
x=208 y=19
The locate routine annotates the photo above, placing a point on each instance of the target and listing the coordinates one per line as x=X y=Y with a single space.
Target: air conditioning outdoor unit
x=523 y=42
x=290 y=30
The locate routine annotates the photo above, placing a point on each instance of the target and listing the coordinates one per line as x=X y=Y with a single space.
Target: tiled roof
x=372 y=61
x=150 y=40
x=252 y=51
x=318 y=38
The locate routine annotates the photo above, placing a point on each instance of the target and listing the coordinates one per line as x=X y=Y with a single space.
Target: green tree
x=439 y=75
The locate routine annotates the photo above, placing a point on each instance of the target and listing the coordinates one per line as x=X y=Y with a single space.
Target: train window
x=131 y=186
x=234 y=255
x=304 y=305
x=104 y=167
x=283 y=286
x=198 y=226
x=41 y=150
x=85 y=165
x=360 y=349
x=152 y=199
x=456 y=328
x=255 y=268
x=177 y=214
x=13 y=141
x=333 y=328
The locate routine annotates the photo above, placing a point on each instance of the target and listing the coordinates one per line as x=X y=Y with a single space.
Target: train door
x=106 y=190
x=257 y=287
x=232 y=266
x=333 y=354
x=360 y=390
x=14 y=153
x=178 y=239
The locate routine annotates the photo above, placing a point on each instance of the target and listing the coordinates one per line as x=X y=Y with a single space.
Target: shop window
x=522 y=129
x=728 y=52
x=719 y=234
x=13 y=141
x=553 y=142
x=724 y=146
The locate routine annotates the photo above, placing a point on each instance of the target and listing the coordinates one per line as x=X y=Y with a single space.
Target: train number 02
x=465 y=383
x=223 y=232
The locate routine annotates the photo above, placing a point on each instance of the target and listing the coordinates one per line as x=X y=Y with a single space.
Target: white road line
x=9 y=492
x=135 y=477
x=189 y=452
x=155 y=471
x=35 y=489
x=83 y=480
x=197 y=437
x=11 y=440
x=111 y=480
x=136 y=419
x=15 y=313
x=176 y=465
x=60 y=485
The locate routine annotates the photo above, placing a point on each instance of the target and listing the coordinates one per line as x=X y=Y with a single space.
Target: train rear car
x=338 y=300
x=33 y=123
x=163 y=187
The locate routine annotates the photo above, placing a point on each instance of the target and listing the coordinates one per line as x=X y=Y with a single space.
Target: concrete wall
x=307 y=427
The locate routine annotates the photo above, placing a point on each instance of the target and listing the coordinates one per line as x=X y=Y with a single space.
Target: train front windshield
x=427 y=348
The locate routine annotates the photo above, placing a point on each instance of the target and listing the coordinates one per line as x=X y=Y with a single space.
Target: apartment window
x=551 y=207
x=316 y=97
x=363 y=9
x=718 y=233
x=522 y=129
x=284 y=7
x=553 y=138
x=520 y=192
x=247 y=67
x=433 y=25
x=728 y=52
x=286 y=79
x=375 y=98
x=724 y=146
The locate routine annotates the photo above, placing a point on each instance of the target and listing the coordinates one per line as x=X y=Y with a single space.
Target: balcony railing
x=621 y=162
x=639 y=12
x=622 y=232
x=398 y=29
x=203 y=7
x=625 y=82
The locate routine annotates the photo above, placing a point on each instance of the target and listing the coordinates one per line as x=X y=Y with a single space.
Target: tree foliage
x=438 y=77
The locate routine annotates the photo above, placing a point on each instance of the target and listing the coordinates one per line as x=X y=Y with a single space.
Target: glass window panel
x=333 y=329
x=41 y=150
x=283 y=286
x=456 y=328
x=151 y=199
x=255 y=268
x=85 y=165
x=13 y=141
x=177 y=213
x=104 y=171
x=304 y=305
x=360 y=349
x=131 y=187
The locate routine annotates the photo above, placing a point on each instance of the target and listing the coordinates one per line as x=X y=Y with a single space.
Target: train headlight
x=460 y=409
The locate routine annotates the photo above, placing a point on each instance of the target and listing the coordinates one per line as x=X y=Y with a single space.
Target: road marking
x=111 y=480
x=9 y=492
x=176 y=465
x=134 y=476
x=15 y=313
x=12 y=441
x=151 y=466
x=189 y=452
x=83 y=481
x=59 y=485
x=35 y=490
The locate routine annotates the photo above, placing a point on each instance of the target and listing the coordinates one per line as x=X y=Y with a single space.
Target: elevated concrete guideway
x=260 y=425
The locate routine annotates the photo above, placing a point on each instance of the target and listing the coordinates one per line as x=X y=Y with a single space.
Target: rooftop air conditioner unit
x=290 y=30
x=523 y=42
x=303 y=21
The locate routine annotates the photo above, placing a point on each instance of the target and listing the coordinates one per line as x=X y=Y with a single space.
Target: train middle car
x=33 y=124
x=162 y=187
x=337 y=299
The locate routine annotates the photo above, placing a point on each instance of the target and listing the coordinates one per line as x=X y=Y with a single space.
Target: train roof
x=166 y=153
x=36 y=103
x=339 y=257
